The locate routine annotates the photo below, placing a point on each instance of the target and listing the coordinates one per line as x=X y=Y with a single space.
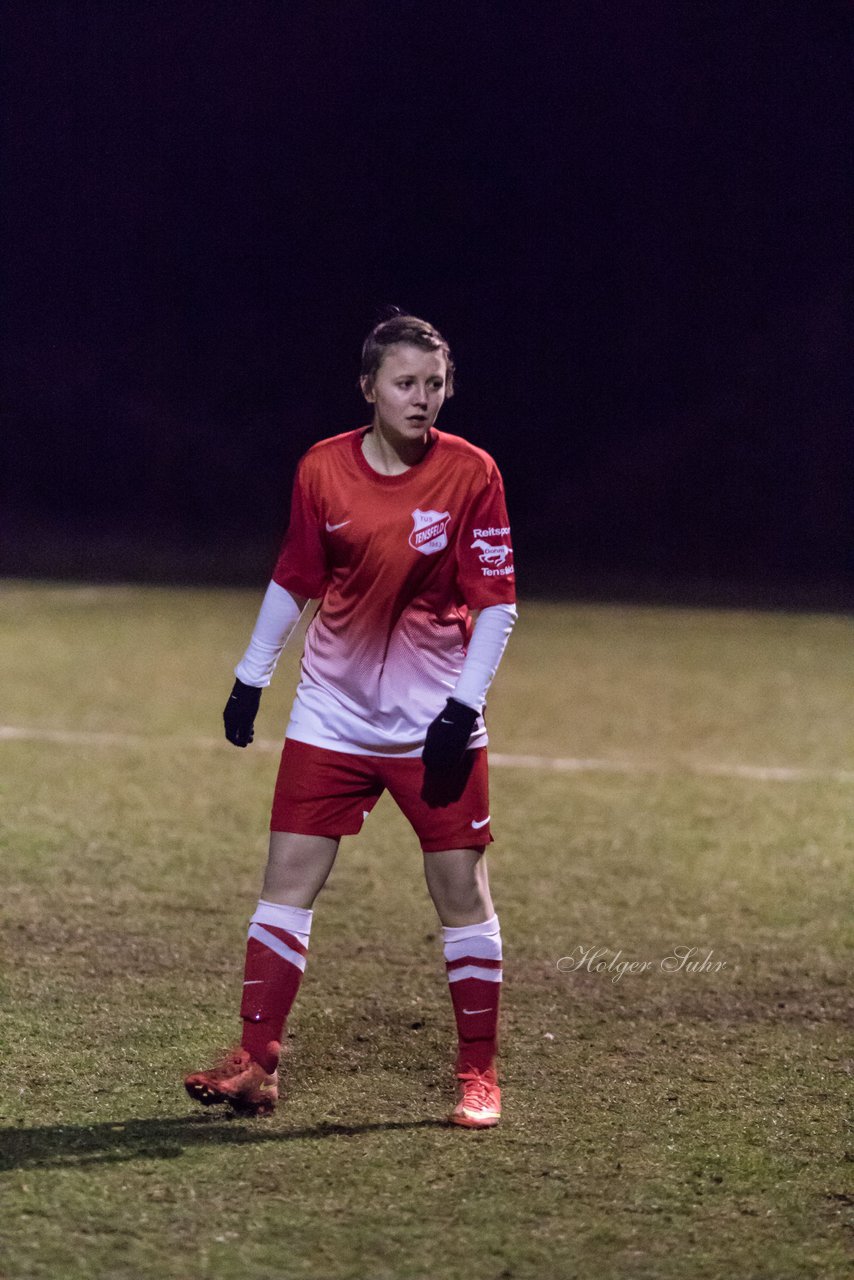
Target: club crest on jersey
x=430 y=531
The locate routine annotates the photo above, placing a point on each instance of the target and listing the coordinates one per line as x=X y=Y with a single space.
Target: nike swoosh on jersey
x=330 y=528
x=489 y=1010
x=478 y=825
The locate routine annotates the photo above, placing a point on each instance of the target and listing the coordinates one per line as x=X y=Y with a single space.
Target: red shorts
x=330 y=793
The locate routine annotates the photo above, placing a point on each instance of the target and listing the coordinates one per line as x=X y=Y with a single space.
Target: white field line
x=501 y=760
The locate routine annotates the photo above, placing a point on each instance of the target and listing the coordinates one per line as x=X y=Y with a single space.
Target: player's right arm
x=280 y=612
x=299 y=576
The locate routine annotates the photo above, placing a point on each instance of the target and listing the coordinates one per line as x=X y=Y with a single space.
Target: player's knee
x=466 y=898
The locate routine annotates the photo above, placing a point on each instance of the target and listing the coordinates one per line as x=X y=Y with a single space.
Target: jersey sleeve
x=484 y=549
x=302 y=566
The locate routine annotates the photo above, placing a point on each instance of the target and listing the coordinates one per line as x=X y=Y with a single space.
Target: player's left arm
x=448 y=735
x=486 y=649
x=486 y=578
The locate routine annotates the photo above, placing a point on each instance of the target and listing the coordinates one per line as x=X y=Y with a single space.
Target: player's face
x=407 y=392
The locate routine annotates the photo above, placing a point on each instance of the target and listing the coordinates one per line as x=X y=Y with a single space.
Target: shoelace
x=476 y=1091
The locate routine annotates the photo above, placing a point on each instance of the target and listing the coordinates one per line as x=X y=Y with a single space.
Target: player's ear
x=367 y=385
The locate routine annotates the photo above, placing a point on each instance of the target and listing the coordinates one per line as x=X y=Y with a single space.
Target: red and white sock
x=276 y=951
x=473 y=962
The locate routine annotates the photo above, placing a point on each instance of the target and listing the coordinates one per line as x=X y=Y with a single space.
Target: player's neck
x=391 y=457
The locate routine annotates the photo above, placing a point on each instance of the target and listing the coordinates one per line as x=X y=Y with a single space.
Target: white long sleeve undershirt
x=488 y=642
x=281 y=611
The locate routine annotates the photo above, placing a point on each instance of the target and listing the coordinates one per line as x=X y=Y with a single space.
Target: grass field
x=663 y=1123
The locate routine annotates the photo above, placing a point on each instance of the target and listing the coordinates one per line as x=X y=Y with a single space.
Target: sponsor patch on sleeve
x=493 y=556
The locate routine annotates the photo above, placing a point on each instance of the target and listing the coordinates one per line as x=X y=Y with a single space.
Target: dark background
x=629 y=220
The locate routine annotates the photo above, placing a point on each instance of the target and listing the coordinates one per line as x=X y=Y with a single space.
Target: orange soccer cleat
x=479 y=1105
x=240 y=1081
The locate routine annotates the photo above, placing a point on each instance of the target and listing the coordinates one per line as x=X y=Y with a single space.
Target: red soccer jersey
x=397 y=562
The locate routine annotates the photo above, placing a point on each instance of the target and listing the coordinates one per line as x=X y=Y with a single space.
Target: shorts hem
x=439 y=846
x=299 y=829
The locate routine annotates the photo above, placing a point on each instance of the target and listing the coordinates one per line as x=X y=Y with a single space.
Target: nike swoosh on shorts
x=330 y=528
x=478 y=825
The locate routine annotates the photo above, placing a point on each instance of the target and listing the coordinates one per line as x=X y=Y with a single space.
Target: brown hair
x=400 y=327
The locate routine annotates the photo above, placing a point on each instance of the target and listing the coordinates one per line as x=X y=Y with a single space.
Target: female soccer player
x=400 y=531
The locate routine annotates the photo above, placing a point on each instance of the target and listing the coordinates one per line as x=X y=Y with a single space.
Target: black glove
x=448 y=737
x=240 y=712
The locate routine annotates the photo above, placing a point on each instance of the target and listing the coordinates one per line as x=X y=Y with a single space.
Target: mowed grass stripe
x=498 y=759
